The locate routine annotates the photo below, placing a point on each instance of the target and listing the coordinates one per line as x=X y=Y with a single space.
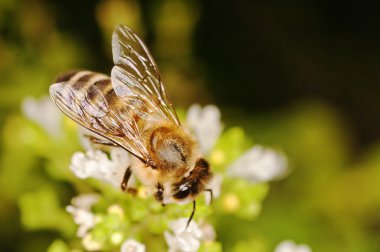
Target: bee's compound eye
x=182 y=193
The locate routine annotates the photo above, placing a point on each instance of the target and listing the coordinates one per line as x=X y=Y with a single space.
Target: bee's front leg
x=124 y=183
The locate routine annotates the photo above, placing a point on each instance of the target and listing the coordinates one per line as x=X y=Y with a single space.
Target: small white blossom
x=117 y=210
x=216 y=186
x=132 y=245
x=90 y=244
x=84 y=219
x=259 y=164
x=96 y=164
x=208 y=232
x=117 y=238
x=44 y=112
x=80 y=210
x=86 y=165
x=205 y=124
x=290 y=246
x=183 y=239
x=85 y=201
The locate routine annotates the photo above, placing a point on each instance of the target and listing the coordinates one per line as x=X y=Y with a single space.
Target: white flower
x=83 y=218
x=117 y=237
x=96 y=164
x=205 y=124
x=85 y=201
x=259 y=165
x=80 y=210
x=208 y=232
x=86 y=165
x=132 y=245
x=183 y=239
x=44 y=112
x=90 y=244
x=215 y=185
x=290 y=246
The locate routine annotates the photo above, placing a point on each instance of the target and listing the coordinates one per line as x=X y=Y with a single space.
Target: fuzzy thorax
x=177 y=169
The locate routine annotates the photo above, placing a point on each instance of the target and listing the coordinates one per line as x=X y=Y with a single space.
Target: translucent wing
x=135 y=69
x=95 y=106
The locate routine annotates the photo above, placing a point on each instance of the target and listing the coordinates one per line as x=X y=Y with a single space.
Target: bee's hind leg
x=124 y=183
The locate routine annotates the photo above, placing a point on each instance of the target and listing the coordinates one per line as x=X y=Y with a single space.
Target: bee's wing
x=135 y=69
x=97 y=107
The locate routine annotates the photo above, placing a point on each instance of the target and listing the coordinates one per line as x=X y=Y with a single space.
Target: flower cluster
x=111 y=220
x=96 y=164
x=81 y=212
x=259 y=164
x=183 y=237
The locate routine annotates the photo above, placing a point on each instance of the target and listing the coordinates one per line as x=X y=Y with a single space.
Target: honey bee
x=132 y=110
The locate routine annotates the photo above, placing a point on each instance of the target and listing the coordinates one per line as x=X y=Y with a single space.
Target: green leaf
x=229 y=147
x=211 y=247
x=58 y=246
x=242 y=198
x=254 y=244
x=41 y=210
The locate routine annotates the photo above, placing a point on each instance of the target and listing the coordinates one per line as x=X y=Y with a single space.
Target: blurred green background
x=300 y=75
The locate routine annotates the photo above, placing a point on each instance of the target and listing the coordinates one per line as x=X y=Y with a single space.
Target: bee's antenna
x=211 y=195
x=192 y=215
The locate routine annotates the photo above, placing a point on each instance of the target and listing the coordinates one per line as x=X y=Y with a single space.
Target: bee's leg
x=95 y=140
x=124 y=183
x=159 y=194
x=127 y=175
x=211 y=195
x=192 y=215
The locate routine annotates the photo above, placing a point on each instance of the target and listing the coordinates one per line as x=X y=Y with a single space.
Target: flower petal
x=259 y=165
x=205 y=124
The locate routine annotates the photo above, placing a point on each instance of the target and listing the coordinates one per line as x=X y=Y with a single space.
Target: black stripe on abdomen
x=66 y=76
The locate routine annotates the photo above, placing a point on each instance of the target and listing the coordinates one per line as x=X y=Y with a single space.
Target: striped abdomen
x=97 y=98
x=90 y=99
x=84 y=81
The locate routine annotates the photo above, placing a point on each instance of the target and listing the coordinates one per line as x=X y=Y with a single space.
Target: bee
x=132 y=110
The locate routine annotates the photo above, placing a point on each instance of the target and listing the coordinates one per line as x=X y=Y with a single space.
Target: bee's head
x=193 y=184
